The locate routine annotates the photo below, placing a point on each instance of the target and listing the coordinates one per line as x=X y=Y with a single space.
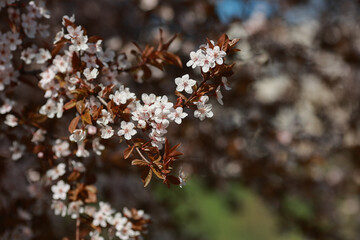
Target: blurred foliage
x=234 y=212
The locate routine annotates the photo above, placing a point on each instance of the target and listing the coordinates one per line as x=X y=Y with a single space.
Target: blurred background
x=280 y=159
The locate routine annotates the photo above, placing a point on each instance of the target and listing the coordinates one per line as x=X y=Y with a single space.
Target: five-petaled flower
x=78 y=135
x=60 y=190
x=185 y=83
x=204 y=111
x=127 y=130
x=56 y=172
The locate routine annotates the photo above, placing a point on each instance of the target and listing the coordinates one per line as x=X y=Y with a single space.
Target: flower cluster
x=66 y=202
x=207 y=57
x=82 y=84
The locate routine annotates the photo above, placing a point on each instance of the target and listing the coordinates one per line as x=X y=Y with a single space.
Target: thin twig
x=102 y=100
x=78 y=228
x=142 y=156
x=195 y=93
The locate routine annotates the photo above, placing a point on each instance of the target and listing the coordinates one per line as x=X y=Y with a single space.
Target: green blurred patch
x=234 y=213
x=298 y=208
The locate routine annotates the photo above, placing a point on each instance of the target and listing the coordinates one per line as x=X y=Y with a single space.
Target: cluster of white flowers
x=104 y=216
x=27 y=18
x=99 y=73
x=152 y=114
x=206 y=57
x=156 y=112
x=9 y=42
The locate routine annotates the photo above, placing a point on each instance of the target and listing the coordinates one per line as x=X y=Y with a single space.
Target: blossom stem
x=102 y=100
x=195 y=93
x=77 y=233
x=141 y=155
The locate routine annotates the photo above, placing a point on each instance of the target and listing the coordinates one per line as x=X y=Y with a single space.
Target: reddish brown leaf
x=156 y=64
x=86 y=117
x=73 y=176
x=175 y=154
x=173 y=180
x=128 y=151
x=210 y=43
x=94 y=39
x=57 y=48
x=157 y=172
x=76 y=62
x=180 y=95
x=170 y=58
x=148 y=178
x=73 y=124
x=69 y=23
x=139 y=162
x=147 y=51
x=70 y=104
x=147 y=72
x=37 y=118
x=166 y=45
x=137 y=46
x=91 y=194
x=80 y=106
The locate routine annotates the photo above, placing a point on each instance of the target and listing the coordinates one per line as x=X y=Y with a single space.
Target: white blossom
x=75 y=208
x=184 y=83
x=60 y=190
x=118 y=219
x=38 y=136
x=52 y=108
x=7 y=106
x=106 y=132
x=59 y=207
x=224 y=80
x=99 y=219
x=203 y=111
x=105 y=118
x=42 y=56
x=81 y=151
x=122 y=95
x=125 y=232
x=216 y=55
x=206 y=63
x=178 y=115
x=91 y=129
x=61 y=148
x=28 y=54
x=17 y=150
x=13 y=40
x=11 y=120
x=195 y=58
x=97 y=146
x=77 y=135
x=90 y=74
x=127 y=130
x=95 y=235
x=56 y=172
x=61 y=62
x=219 y=95
x=78 y=166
